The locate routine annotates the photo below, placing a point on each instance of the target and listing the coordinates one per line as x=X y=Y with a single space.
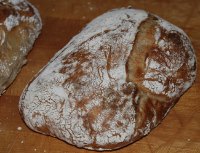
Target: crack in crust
x=162 y=64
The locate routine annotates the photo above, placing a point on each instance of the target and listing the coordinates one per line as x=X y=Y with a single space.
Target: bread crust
x=93 y=94
x=20 y=25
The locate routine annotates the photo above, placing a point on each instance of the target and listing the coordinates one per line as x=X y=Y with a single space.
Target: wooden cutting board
x=62 y=19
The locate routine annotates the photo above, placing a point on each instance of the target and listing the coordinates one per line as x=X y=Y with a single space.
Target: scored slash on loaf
x=112 y=83
x=20 y=25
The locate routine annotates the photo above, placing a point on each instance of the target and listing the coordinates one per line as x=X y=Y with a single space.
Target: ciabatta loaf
x=20 y=25
x=112 y=83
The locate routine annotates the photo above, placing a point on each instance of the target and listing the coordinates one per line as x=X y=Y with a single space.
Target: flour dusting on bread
x=163 y=74
x=84 y=96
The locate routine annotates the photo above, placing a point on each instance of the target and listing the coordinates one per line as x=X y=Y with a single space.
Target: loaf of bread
x=112 y=83
x=20 y=25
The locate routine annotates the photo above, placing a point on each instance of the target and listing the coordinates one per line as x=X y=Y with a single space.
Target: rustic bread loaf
x=112 y=83
x=20 y=25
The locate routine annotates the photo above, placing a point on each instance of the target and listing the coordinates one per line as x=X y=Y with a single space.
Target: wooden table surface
x=62 y=19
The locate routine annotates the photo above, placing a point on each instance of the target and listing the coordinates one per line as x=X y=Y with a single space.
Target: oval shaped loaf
x=112 y=83
x=20 y=25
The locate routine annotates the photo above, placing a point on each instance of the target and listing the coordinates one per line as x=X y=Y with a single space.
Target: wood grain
x=62 y=19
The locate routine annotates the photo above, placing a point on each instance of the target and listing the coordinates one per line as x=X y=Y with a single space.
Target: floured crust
x=162 y=61
x=20 y=25
x=91 y=94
